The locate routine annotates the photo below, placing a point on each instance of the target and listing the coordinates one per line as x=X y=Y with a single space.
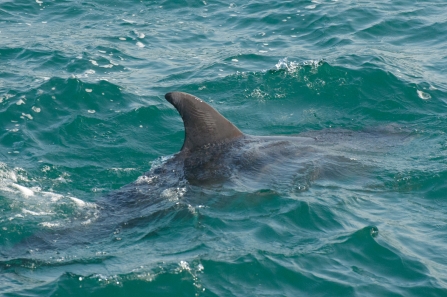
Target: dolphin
x=216 y=154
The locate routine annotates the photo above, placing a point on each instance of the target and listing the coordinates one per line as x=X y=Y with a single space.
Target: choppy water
x=82 y=114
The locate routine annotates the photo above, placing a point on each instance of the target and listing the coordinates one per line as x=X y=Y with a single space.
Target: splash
x=292 y=66
x=26 y=201
x=423 y=95
x=285 y=64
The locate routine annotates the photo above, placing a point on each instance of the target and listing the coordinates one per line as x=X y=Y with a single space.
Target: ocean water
x=83 y=114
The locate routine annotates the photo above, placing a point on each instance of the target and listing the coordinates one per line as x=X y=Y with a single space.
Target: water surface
x=82 y=114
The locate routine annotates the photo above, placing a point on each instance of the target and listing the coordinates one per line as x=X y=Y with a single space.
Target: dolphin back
x=203 y=124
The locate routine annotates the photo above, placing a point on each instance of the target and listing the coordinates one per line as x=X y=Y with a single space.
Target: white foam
x=139 y=44
x=258 y=93
x=169 y=194
x=46 y=168
x=285 y=64
x=26 y=192
x=32 y=201
x=15 y=216
x=123 y=169
x=36 y=189
x=173 y=194
x=35 y=109
x=94 y=62
x=81 y=203
x=8 y=96
x=34 y=213
x=145 y=179
x=88 y=90
x=49 y=224
x=423 y=95
x=85 y=74
x=6 y=174
x=26 y=115
x=53 y=196
x=129 y=21
x=86 y=222
x=192 y=209
x=184 y=265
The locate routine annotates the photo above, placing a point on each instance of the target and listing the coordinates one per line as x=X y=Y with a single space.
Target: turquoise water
x=82 y=114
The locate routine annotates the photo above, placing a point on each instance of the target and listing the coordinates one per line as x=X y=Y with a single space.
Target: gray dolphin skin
x=203 y=124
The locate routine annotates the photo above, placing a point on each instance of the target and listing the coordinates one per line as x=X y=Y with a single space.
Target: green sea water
x=82 y=114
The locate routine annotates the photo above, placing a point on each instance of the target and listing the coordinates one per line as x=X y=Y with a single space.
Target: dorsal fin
x=203 y=124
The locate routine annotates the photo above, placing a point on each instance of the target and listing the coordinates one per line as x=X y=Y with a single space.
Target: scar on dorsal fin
x=203 y=124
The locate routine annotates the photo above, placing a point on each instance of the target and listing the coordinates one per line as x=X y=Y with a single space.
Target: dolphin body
x=216 y=154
